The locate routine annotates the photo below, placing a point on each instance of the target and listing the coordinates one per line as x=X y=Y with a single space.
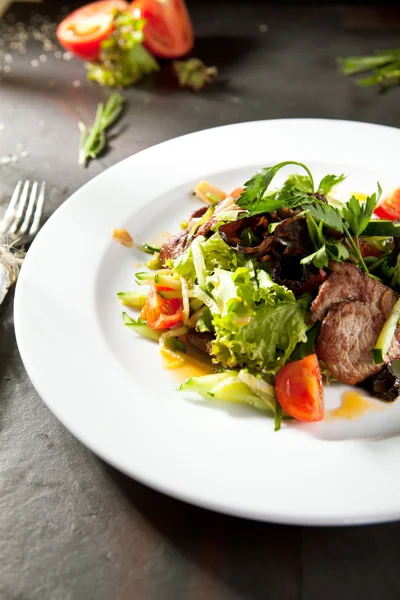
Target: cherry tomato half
x=168 y=32
x=299 y=389
x=83 y=30
x=160 y=313
x=389 y=207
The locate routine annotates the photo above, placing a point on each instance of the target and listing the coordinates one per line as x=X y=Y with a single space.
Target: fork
x=21 y=221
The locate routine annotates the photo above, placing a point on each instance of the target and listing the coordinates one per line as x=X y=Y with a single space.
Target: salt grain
x=8 y=58
x=263 y=28
x=7 y=69
x=42 y=58
x=77 y=84
x=24 y=154
x=5 y=160
x=57 y=54
x=67 y=55
x=34 y=63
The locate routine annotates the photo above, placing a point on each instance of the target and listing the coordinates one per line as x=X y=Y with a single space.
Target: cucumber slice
x=386 y=336
x=234 y=390
x=133 y=299
x=149 y=248
x=195 y=304
x=202 y=385
x=140 y=327
x=261 y=388
x=198 y=261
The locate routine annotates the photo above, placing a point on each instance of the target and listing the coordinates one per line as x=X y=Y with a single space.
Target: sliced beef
x=353 y=308
x=203 y=341
x=174 y=247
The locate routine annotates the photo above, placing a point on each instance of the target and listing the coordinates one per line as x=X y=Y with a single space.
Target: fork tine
x=38 y=212
x=9 y=214
x=21 y=208
x=30 y=209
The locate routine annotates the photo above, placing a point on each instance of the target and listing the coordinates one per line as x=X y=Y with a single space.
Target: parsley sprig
x=92 y=142
x=295 y=192
x=351 y=221
x=334 y=232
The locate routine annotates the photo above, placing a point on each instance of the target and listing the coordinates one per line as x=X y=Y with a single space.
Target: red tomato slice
x=168 y=32
x=389 y=207
x=160 y=313
x=83 y=30
x=299 y=389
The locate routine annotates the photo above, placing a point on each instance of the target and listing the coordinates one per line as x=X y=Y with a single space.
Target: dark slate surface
x=70 y=526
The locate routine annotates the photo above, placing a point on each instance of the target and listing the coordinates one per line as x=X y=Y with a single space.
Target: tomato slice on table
x=160 y=313
x=168 y=32
x=83 y=30
x=389 y=207
x=299 y=389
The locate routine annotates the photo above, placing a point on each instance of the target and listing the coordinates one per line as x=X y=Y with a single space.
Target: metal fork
x=21 y=221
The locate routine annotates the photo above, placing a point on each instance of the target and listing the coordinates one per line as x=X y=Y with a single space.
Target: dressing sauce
x=184 y=366
x=353 y=406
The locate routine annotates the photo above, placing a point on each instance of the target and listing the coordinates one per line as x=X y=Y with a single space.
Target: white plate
x=108 y=386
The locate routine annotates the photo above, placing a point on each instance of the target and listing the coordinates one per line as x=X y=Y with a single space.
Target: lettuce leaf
x=216 y=253
x=258 y=323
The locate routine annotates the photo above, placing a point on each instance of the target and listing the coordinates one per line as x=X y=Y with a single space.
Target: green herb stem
x=93 y=142
x=356 y=249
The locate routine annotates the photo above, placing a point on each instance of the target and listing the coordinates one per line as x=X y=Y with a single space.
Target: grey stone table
x=72 y=527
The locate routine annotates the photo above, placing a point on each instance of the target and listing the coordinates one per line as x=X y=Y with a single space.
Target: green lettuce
x=258 y=323
x=216 y=254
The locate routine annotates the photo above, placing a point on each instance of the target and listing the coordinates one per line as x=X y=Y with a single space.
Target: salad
x=283 y=288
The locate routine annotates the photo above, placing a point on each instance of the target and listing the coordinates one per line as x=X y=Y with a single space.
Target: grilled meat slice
x=203 y=341
x=353 y=308
x=174 y=247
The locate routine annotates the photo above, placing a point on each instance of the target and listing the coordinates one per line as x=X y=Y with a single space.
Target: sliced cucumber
x=195 y=304
x=133 y=299
x=140 y=327
x=204 y=384
x=198 y=261
x=234 y=390
x=167 y=295
x=261 y=388
x=386 y=336
x=149 y=248
x=224 y=386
